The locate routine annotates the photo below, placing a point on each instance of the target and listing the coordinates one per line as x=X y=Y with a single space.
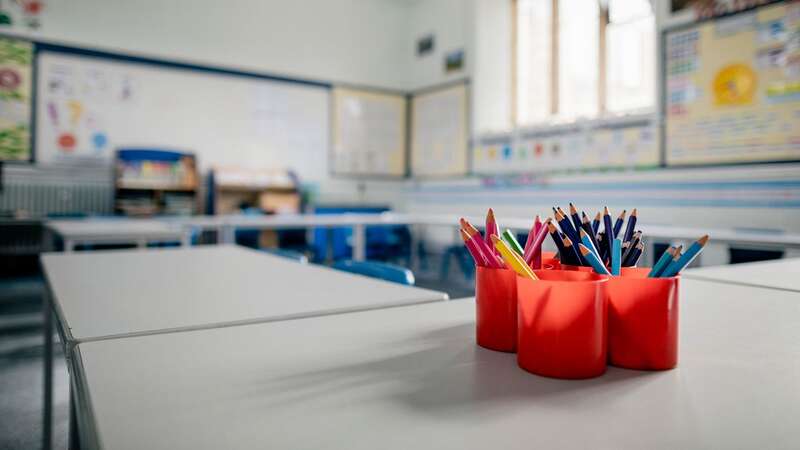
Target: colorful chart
x=15 y=99
x=733 y=89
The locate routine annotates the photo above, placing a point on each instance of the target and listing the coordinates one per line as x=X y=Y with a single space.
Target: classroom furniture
x=114 y=294
x=780 y=274
x=116 y=231
x=288 y=254
x=413 y=377
x=380 y=270
x=150 y=182
x=270 y=190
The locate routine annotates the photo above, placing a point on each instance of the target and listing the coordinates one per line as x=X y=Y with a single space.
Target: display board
x=16 y=73
x=440 y=132
x=369 y=133
x=88 y=106
x=732 y=89
x=602 y=147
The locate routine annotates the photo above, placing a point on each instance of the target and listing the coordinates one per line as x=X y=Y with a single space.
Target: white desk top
x=118 y=293
x=413 y=378
x=113 y=228
x=779 y=274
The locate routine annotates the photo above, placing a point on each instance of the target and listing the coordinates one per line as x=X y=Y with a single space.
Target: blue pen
x=596 y=264
x=616 y=256
x=659 y=266
x=685 y=259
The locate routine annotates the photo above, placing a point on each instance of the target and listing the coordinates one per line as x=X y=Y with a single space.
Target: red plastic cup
x=562 y=324
x=496 y=309
x=586 y=269
x=642 y=320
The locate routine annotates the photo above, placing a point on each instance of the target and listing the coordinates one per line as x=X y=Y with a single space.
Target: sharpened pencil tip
x=583 y=249
x=703 y=240
x=633 y=213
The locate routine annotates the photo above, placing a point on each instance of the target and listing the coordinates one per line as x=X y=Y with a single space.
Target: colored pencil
x=512 y=259
x=572 y=253
x=629 y=229
x=537 y=244
x=576 y=219
x=687 y=258
x=537 y=226
x=634 y=256
x=587 y=227
x=479 y=258
x=616 y=256
x=605 y=254
x=596 y=264
x=674 y=260
x=557 y=240
x=631 y=246
x=587 y=242
x=596 y=223
x=566 y=227
x=608 y=227
x=474 y=234
x=511 y=240
x=618 y=224
x=662 y=262
x=491 y=225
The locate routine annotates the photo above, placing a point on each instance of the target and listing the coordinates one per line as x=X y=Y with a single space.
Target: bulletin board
x=732 y=89
x=574 y=148
x=90 y=104
x=16 y=93
x=369 y=133
x=440 y=132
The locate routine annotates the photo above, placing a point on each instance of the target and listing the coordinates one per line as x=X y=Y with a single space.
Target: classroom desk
x=115 y=231
x=413 y=378
x=778 y=274
x=112 y=294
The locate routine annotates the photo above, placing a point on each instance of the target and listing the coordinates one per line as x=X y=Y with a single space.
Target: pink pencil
x=480 y=243
x=537 y=245
x=479 y=258
x=537 y=226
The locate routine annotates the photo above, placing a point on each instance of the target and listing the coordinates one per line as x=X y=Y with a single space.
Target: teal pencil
x=616 y=256
x=593 y=260
x=662 y=263
x=685 y=259
x=588 y=243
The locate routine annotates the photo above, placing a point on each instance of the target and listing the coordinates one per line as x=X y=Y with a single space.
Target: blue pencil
x=618 y=224
x=595 y=222
x=685 y=259
x=629 y=229
x=589 y=244
x=609 y=229
x=573 y=212
x=596 y=264
x=662 y=262
x=616 y=256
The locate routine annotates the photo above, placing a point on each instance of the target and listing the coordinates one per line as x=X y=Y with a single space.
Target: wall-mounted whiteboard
x=88 y=106
x=440 y=132
x=369 y=133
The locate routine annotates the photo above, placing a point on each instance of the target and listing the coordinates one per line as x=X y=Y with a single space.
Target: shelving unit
x=150 y=182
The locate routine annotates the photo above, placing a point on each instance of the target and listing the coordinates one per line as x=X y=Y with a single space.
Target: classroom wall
x=352 y=41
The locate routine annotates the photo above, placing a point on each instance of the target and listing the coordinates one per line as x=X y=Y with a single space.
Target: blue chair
x=288 y=254
x=384 y=271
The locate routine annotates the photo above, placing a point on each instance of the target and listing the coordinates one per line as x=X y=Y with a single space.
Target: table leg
x=69 y=245
x=47 y=406
x=74 y=438
x=413 y=256
x=186 y=239
x=359 y=242
x=141 y=244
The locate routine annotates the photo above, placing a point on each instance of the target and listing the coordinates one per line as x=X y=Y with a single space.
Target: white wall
x=352 y=41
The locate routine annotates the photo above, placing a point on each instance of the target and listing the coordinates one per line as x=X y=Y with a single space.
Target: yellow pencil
x=512 y=259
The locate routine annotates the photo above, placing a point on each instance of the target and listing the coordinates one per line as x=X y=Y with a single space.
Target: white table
x=778 y=274
x=413 y=378
x=116 y=231
x=112 y=294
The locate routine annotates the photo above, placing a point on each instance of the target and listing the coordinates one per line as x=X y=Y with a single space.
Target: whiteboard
x=732 y=89
x=440 y=132
x=90 y=106
x=369 y=133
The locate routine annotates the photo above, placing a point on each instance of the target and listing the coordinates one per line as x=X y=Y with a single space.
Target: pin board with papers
x=732 y=88
x=369 y=133
x=440 y=132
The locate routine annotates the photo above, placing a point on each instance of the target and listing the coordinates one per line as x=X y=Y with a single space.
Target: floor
x=21 y=362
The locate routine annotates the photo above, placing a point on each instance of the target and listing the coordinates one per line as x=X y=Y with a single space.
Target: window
x=583 y=58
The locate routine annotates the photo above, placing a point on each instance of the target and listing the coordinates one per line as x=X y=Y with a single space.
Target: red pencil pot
x=642 y=320
x=562 y=324
x=549 y=261
x=586 y=269
x=496 y=309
